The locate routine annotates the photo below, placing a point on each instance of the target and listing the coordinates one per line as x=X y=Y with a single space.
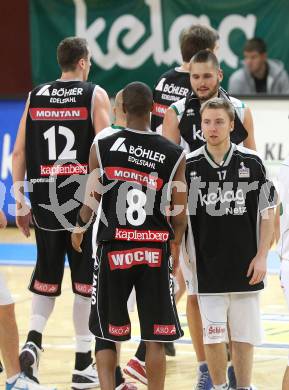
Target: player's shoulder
x=106 y=132
x=195 y=155
x=179 y=106
x=250 y=155
x=237 y=103
x=171 y=73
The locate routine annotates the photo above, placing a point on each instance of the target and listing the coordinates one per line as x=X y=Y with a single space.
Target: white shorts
x=284 y=276
x=5 y=296
x=241 y=312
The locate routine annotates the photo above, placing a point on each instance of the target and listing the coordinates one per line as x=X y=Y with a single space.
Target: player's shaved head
x=137 y=99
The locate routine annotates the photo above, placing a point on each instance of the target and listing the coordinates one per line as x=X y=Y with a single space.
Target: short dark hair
x=137 y=98
x=205 y=56
x=255 y=44
x=196 y=38
x=216 y=103
x=69 y=51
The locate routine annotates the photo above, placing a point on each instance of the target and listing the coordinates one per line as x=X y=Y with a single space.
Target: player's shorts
x=241 y=312
x=52 y=246
x=5 y=295
x=120 y=266
x=284 y=278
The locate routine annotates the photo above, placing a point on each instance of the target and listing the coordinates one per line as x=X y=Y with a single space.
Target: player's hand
x=76 y=240
x=23 y=219
x=175 y=252
x=3 y=220
x=257 y=270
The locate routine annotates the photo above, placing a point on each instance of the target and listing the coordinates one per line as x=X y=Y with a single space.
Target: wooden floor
x=57 y=359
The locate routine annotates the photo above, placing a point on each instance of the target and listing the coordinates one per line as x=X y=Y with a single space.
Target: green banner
x=139 y=39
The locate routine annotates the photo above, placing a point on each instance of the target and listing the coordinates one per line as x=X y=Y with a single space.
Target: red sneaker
x=126 y=386
x=136 y=371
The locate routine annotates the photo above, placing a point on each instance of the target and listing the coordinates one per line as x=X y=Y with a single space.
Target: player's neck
x=141 y=123
x=218 y=152
x=120 y=122
x=71 y=76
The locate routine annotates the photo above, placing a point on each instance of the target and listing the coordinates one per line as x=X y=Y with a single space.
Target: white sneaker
x=85 y=379
x=25 y=383
x=29 y=360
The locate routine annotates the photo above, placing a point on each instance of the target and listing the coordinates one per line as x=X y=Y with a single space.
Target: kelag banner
x=138 y=39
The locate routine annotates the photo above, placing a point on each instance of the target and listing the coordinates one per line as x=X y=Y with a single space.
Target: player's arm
x=277 y=224
x=101 y=110
x=91 y=201
x=179 y=204
x=23 y=216
x=249 y=142
x=3 y=220
x=258 y=266
x=170 y=128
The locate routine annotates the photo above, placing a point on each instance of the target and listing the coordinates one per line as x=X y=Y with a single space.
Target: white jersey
x=283 y=243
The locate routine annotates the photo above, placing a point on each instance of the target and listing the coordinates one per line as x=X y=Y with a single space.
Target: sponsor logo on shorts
x=132 y=175
x=165 y=330
x=119 y=331
x=159 y=109
x=129 y=258
x=83 y=288
x=63 y=170
x=58 y=114
x=216 y=331
x=141 y=235
x=45 y=287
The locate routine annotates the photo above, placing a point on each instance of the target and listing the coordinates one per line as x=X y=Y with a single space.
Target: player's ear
x=232 y=125
x=123 y=108
x=220 y=74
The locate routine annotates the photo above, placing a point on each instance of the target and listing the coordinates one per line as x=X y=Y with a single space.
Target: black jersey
x=225 y=202
x=189 y=117
x=59 y=133
x=171 y=86
x=136 y=178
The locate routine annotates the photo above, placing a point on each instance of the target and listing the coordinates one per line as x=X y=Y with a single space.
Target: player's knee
x=101 y=344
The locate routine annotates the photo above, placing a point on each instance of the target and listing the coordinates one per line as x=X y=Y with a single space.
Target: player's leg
x=285 y=286
x=109 y=320
x=246 y=331
x=194 y=320
x=9 y=344
x=285 y=382
x=45 y=285
x=81 y=265
x=9 y=340
x=106 y=360
x=213 y=309
x=155 y=365
x=158 y=317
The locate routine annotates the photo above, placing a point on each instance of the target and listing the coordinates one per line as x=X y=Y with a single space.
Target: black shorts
x=52 y=246
x=120 y=266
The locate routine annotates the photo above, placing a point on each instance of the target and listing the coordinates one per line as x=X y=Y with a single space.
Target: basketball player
x=182 y=121
x=170 y=87
x=9 y=339
x=231 y=206
x=182 y=124
x=53 y=142
x=118 y=125
x=133 y=246
x=175 y=83
x=283 y=240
